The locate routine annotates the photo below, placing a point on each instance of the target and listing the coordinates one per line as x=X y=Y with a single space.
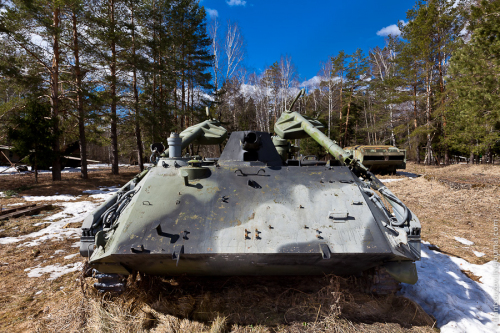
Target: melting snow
x=479 y=254
x=72 y=212
x=102 y=193
x=55 y=271
x=62 y=197
x=458 y=303
x=464 y=241
x=71 y=256
x=394 y=180
x=5 y=171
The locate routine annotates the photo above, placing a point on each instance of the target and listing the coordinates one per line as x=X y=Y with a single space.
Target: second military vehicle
x=379 y=158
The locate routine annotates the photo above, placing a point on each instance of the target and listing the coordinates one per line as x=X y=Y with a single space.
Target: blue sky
x=308 y=31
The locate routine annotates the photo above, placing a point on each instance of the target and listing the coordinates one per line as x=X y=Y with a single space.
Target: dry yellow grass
x=327 y=304
x=447 y=212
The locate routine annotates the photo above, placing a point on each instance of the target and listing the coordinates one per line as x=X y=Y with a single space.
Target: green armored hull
x=254 y=211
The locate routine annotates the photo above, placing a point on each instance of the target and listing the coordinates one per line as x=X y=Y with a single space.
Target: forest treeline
x=126 y=73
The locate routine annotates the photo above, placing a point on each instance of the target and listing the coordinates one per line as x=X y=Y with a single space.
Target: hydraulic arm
x=292 y=125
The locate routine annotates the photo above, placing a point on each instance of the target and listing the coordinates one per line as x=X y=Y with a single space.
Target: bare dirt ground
x=68 y=303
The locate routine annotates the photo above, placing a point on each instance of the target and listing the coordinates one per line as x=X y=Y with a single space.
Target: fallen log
x=27 y=211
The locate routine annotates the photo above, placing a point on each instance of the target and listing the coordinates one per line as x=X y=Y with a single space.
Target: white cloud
x=236 y=2
x=213 y=13
x=315 y=81
x=390 y=30
x=312 y=82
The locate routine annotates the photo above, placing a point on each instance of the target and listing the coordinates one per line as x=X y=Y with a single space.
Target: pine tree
x=75 y=11
x=433 y=31
x=32 y=135
x=409 y=80
x=107 y=28
x=356 y=75
x=475 y=82
x=18 y=23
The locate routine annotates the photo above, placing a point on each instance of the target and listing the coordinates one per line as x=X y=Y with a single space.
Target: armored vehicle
x=254 y=211
x=379 y=158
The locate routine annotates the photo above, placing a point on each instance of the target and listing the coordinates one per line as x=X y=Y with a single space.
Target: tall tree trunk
x=347 y=116
x=415 y=123
x=183 y=87
x=340 y=106
x=162 y=105
x=443 y=117
x=330 y=104
x=79 y=99
x=155 y=45
x=136 y=97
x=428 y=123
x=366 y=121
x=56 y=164
x=114 y=134
x=36 y=169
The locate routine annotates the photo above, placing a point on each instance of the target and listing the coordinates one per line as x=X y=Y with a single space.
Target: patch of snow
x=3 y=170
x=72 y=212
x=98 y=166
x=76 y=244
x=479 y=254
x=62 y=197
x=102 y=193
x=71 y=256
x=39 y=223
x=107 y=191
x=39 y=292
x=55 y=271
x=15 y=204
x=91 y=167
x=464 y=241
x=59 y=251
x=393 y=180
x=2 y=195
x=458 y=303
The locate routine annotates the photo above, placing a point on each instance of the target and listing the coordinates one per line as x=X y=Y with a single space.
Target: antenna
x=301 y=92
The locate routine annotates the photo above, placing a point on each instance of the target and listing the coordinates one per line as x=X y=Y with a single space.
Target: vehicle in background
x=381 y=159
